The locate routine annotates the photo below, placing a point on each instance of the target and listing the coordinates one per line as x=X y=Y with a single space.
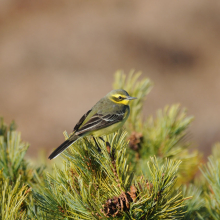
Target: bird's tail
x=63 y=146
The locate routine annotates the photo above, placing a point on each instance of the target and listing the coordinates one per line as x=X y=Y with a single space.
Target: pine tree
x=147 y=170
x=110 y=183
x=96 y=185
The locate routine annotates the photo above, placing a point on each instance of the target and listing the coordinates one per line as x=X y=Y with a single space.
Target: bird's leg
x=102 y=139
x=107 y=144
x=96 y=144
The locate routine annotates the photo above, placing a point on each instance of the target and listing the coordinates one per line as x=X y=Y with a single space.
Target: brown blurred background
x=57 y=58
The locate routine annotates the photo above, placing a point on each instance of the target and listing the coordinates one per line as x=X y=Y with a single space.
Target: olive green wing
x=86 y=117
x=99 y=121
x=80 y=122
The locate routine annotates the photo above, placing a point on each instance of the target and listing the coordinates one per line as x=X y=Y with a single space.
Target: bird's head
x=120 y=96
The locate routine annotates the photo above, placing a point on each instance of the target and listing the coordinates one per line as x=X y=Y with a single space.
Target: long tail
x=63 y=146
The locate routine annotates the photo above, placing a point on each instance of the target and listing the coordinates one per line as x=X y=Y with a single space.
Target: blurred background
x=58 y=58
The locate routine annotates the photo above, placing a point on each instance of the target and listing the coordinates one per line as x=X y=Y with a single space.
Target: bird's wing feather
x=99 y=121
x=82 y=119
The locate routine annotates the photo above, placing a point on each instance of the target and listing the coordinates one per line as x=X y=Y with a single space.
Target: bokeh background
x=57 y=58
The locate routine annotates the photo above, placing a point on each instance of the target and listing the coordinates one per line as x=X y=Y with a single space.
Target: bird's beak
x=130 y=98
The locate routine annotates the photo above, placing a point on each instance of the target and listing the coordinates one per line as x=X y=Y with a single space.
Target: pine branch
x=94 y=185
x=4 y=128
x=17 y=174
x=164 y=137
x=12 y=198
x=195 y=207
x=158 y=200
x=211 y=172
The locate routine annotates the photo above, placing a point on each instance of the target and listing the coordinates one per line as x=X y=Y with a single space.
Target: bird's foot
x=99 y=149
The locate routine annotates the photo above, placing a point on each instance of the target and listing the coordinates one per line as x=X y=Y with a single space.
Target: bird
x=105 y=117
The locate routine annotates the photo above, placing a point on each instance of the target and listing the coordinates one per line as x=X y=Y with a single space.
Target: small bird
x=105 y=117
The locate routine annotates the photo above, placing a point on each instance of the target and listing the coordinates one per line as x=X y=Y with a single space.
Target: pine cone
x=135 y=140
x=133 y=192
x=113 y=207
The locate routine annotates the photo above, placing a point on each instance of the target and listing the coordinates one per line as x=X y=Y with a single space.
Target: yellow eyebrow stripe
x=117 y=95
x=124 y=102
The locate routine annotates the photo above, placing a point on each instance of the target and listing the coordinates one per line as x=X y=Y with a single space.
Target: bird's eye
x=119 y=97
